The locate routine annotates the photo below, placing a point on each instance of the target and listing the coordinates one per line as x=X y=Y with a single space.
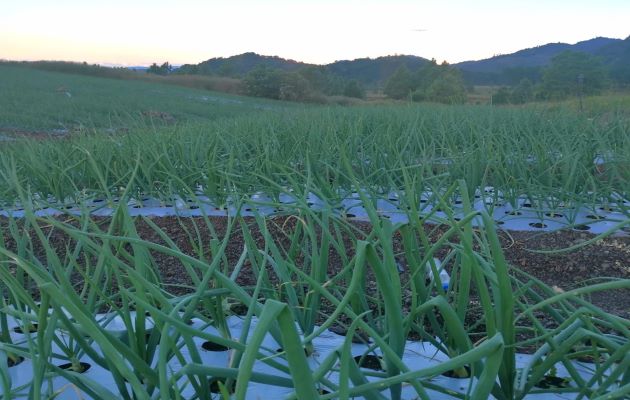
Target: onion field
x=247 y=249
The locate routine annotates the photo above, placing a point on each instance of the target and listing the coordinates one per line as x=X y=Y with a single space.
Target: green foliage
x=431 y=82
x=76 y=68
x=354 y=89
x=274 y=84
x=523 y=92
x=520 y=94
x=163 y=69
x=263 y=82
x=322 y=80
x=400 y=85
x=572 y=73
x=502 y=96
x=293 y=87
x=447 y=88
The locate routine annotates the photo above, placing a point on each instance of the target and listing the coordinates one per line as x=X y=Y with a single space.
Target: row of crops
x=91 y=307
x=545 y=155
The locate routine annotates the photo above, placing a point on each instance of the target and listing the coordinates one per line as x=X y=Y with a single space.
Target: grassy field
x=65 y=279
x=35 y=100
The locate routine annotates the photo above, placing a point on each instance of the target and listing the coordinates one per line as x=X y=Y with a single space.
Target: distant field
x=35 y=100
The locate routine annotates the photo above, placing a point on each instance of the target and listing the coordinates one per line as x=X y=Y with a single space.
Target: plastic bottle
x=445 y=279
x=444 y=276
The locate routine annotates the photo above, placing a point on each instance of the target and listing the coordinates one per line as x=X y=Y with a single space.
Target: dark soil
x=607 y=258
x=597 y=262
x=83 y=367
x=369 y=361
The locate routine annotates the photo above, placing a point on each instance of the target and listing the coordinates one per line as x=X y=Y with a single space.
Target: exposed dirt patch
x=607 y=258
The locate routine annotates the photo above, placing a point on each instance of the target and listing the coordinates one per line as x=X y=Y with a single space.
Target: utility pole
x=580 y=82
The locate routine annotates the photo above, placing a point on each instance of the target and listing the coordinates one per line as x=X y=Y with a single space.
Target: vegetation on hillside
x=570 y=74
x=432 y=82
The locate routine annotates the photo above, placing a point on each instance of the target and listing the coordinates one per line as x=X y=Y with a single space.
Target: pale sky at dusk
x=139 y=32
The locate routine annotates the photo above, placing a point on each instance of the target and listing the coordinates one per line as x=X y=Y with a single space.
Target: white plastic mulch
x=417 y=355
x=524 y=215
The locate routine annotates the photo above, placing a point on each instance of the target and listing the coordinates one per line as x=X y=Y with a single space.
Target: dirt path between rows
x=607 y=258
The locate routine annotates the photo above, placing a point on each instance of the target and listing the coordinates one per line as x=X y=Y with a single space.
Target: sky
x=140 y=32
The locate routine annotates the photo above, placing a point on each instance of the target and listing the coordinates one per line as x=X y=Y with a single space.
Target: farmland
x=189 y=244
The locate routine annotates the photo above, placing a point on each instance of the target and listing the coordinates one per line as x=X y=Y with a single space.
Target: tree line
x=440 y=83
x=570 y=74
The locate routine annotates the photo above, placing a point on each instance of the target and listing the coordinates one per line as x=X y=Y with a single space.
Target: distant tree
x=502 y=96
x=523 y=92
x=400 y=85
x=163 y=69
x=323 y=81
x=448 y=87
x=226 y=69
x=424 y=77
x=263 y=82
x=572 y=73
x=293 y=87
x=354 y=89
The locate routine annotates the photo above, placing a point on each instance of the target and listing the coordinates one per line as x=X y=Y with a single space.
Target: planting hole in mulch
x=98 y=201
x=216 y=383
x=550 y=381
x=13 y=361
x=513 y=212
x=458 y=202
x=460 y=373
x=370 y=362
x=538 y=225
x=594 y=217
x=194 y=207
x=82 y=368
x=582 y=227
x=393 y=199
x=350 y=215
x=499 y=222
x=527 y=205
x=31 y=328
x=554 y=215
x=211 y=346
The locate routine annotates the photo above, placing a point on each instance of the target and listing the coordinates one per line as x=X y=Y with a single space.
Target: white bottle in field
x=444 y=276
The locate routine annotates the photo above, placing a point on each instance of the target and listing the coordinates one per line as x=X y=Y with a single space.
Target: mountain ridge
x=500 y=69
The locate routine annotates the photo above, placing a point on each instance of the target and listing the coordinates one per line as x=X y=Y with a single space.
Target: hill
x=373 y=72
x=368 y=71
x=510 y=68
x=240 y=65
